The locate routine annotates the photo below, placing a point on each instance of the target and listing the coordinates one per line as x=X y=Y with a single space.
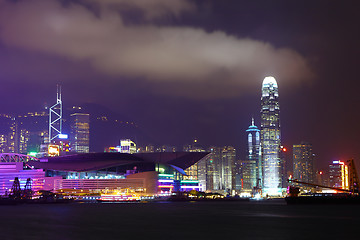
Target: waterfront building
x=228 y=157
x=339 y=175
x=270 y=137
x=216 y=172
x=252 y=168
x=151 y=173
x=208 y=170
x=247 y=172
x=198 y=171
x=127 y=146
x=303 y=162
x=80 y=132
x=10 y=170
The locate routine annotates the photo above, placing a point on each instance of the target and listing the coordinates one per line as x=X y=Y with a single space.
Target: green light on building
x=165 y=175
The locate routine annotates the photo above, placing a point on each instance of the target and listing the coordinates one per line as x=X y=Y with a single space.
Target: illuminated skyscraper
x=303 y=161
x=270 y=137
x=80 y=132
x=254 y=168
x=7 y=133
x=228 y=157
x=215 y=173
x=55 y=117
x=339 y=175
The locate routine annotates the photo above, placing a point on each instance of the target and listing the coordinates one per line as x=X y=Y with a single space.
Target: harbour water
x=271 y=219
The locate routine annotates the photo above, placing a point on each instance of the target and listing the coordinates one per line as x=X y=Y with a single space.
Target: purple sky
x=183 y=69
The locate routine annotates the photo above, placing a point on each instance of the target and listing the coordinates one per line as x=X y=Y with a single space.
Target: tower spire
x=55 y=116
x=252 y=121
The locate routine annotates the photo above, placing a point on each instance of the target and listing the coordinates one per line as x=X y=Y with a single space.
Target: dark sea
x=271 y=219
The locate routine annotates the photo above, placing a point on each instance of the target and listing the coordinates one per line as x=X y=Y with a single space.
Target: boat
x=125 y=195
x=118 y=198
x=336 y=198
x=349 y=195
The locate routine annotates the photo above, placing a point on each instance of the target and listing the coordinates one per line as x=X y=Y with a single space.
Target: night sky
x=184 y=69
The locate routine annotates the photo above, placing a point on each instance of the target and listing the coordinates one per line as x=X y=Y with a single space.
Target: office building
x=252 y=167
x=80 y=132
x=196 y=172
x=270 y=137
x=208 y=170
x=228 y=157
x=7 y=133
x=339 y=175
x=303 y=162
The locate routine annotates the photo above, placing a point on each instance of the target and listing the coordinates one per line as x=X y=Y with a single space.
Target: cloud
x=146 y=50
x=152 y=9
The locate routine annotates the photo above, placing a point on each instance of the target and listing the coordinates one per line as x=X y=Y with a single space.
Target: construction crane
x=353 y=177
x=15 y=189
x=17 y=193
x=27 y=192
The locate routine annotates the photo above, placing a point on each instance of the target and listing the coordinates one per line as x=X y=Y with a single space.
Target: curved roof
x=96 y=161
x=252 y=127
x=269 y=80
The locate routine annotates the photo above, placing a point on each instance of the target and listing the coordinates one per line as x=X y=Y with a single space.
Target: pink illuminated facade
x=10 y=170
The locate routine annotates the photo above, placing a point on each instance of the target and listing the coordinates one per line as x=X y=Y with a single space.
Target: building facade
x=270 y=137
x=127 y=146
x=303 y=162
x=80 y=132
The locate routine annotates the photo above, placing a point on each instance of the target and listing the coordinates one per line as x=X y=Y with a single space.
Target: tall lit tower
x=253 y=155
x=55 y=117
x=80 y=132
x=303 y=162
x=270 y=137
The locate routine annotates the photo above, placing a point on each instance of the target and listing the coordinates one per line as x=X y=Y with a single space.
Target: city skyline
x=210 y=97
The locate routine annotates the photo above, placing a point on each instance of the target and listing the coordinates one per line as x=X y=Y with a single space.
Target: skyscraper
x=303 y=162
x=228 y=157
x=7 y=133
x=55 y=117
x=270 y=137
x=80 y=132
x=339 y=175
x=253 y=157
x=215 y=173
